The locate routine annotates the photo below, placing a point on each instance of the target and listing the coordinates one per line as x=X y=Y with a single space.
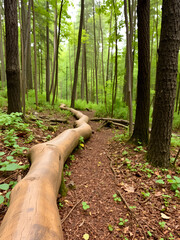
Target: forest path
x=94 y=184
x=106 y=167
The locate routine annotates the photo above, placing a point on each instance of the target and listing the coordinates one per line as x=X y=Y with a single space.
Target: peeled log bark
x=33 y=212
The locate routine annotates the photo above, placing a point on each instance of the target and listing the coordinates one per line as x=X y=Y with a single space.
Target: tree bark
x=159 y=146
x=3 y=75
x=95 y=52
x=33 y=212
x=35 y=55
x=47 y=55
x=129 y=70
x=77 y=55
x=57 y=52
x=12 y=59
x=141 y=128
x=114 y=87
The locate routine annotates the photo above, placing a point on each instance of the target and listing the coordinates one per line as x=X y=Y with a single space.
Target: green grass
x=120 y=109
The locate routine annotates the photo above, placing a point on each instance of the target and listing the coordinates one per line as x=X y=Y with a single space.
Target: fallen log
x=125 y=122
x=33 y=212
x=119 y=124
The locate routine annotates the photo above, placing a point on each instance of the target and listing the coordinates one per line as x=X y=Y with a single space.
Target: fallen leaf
x=128 y=188
x=157 y=194
x=86 y=236
x=164 y=216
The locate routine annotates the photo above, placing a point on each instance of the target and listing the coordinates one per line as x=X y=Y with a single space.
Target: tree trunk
x=33 y=212
x=178 y=95
x=159 y=147
x=26 y=17
x=82 y=73
x=128 y=70
x=114 y=88
x=35 y=61
x=95 y=52
x=102 y=56
x=12 y=59
x=77 y=56
x=57 y=52
x=141 y=128
x=47 y=55
x=3 y=76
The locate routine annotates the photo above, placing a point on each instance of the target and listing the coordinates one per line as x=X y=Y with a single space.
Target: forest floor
x=112 y=190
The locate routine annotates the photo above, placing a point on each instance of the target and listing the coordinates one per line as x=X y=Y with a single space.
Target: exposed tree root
x=33 y=212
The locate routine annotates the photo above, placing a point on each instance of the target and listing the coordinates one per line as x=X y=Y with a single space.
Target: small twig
x=119 y=124
x=112 y=169
x=11 y=176
x=146 y=200
x=132 y=214
x=103 y=125
x=174 y=163
x=63 y=220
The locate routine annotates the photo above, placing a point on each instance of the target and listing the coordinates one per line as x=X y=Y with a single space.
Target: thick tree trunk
x=159 y=147
x=33 y=212
x=12 y=61
x=141 y=128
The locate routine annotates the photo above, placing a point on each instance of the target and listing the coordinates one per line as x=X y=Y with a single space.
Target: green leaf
x=12 y=167
x=4 y=186
x=110 y=228
x=8 y=195
x=2 y=153
x=10 y=158
x=160 y=181
x=149 y=233
x=124 y=153
x=168 y=176
x=1 y=199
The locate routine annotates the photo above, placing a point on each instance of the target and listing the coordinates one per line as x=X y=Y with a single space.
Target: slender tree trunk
x=114 y=88
x=178 y=95
x=82 y=73
x=26 y=15
x=3 y=76
x=77 y=56
x=107 y=68
x=141 y=128
x=12 y=59
x=47 y=55
x=159 y=146
x=29 y=64
x=57 y=52
x=95 y=52
x=85 y=73
x=35 y=61
x=128 y=71
x=70 y=70
x=102 y=55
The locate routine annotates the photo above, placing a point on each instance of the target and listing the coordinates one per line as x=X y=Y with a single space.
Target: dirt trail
x=94 y=184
